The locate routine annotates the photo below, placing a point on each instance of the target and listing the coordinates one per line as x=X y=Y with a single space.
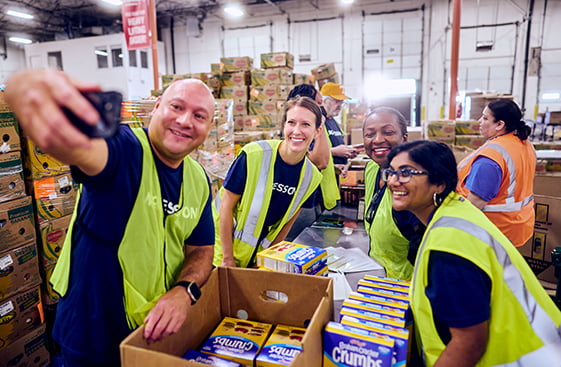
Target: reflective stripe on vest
x=540 y=321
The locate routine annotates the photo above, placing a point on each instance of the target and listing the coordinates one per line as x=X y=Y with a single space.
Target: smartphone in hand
x=108 y=105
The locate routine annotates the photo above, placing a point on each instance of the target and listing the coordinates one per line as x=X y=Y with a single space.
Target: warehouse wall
x=397 y=39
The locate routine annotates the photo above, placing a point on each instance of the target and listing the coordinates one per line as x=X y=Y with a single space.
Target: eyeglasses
x=403 y=175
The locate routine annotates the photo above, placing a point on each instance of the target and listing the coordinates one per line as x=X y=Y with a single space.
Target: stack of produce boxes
x=50 y=184
x=217 y=152
x=372 y=326
x=21 y=330
x=270 y=87
x=467 y=134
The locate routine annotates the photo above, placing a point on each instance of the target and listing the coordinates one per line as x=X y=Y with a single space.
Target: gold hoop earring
x=435 y=199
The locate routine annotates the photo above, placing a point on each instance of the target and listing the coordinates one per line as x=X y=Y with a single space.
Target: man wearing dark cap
x=333 y=100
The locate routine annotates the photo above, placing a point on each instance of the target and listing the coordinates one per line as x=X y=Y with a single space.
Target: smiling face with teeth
x=383 y=130
x=299 y=132
x=181 y=120
x=415 y=195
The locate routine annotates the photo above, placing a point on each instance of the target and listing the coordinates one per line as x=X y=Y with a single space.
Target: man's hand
x=167 y=316
x=344 y=151
x=36 y=98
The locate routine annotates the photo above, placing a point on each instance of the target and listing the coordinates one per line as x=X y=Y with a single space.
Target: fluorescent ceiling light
x=233 y=10
x=347 y=2
x=113 y=2
x=551 y=96
x=25 y=41
x=19 y=14
x=100 y=52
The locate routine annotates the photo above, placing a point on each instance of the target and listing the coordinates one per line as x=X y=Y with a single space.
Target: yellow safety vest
x=251 y=210
x=329 y=187
x=387 y=244
x=151 y=254
x=524 y=323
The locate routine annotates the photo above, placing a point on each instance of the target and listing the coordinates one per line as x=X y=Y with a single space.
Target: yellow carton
x=237 y=340
x=284 y=344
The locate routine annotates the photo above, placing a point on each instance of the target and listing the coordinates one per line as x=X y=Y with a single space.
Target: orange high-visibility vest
x=512 y=210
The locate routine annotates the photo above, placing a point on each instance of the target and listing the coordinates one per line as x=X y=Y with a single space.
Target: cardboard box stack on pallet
x=22 y=332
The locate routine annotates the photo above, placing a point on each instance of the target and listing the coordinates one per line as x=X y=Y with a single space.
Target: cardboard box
x=299 y=78
x=547 y=236
x=332 y=79
x=548 y=183
x=37 y=164
x=52 y=234
x=232 y=64
x=238 y=78
x=234 y=92
x=271 y=297
x=48 y=295
x=10 y=163
x=356 y=137
x=354 y=178
x=28 y=351
x=442 y=128
x=469 y=127
x=271 y=76
x=19 y=270
x=9 y=132
x=324 y=71
x=11 y=187
x=470 y=141
x=20 y=314
x=54 y=197
x=16 y=223
x=277 y=59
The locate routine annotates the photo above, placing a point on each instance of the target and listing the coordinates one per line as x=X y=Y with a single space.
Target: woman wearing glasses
x=390 y=231
x=475 y=300
x=498 y=178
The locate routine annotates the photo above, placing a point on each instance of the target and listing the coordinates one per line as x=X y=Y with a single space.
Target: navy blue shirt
x=459 y=293
x=285 y=183
x=336 y=137
x=90 y=321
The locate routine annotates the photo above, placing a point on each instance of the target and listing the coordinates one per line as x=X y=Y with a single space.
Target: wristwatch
x=192 y=288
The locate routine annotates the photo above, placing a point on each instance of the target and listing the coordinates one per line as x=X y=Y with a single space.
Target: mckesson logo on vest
x=285 y=189
x=335 y=133
x=186 y=212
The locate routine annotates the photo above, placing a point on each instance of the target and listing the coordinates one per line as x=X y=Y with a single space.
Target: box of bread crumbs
x=249 y=294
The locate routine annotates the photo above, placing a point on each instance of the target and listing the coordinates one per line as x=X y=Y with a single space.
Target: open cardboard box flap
x=308 y=303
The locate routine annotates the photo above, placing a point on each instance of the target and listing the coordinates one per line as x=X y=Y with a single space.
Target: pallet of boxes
x=22 y=328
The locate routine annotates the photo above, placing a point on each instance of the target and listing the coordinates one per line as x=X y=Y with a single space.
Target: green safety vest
x=250 y=212
x=387 y=244
x=329 y=187
x=524 y=323
x=151 y=254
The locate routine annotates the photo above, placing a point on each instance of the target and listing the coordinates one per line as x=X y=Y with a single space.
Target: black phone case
x=108 y=105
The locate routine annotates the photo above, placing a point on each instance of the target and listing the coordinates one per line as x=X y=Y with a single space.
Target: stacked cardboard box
x=325 y=73
x=20 y=301
x=442 y=130
x=467 y=134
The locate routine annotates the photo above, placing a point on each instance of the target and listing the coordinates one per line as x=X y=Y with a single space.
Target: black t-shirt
x=336 y=137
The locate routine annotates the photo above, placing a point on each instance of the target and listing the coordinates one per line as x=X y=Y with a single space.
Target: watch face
x=194 y=291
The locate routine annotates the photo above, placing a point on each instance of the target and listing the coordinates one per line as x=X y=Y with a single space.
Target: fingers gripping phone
x=108 y=105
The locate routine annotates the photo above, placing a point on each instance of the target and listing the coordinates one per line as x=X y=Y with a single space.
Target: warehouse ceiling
x=67 y=19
